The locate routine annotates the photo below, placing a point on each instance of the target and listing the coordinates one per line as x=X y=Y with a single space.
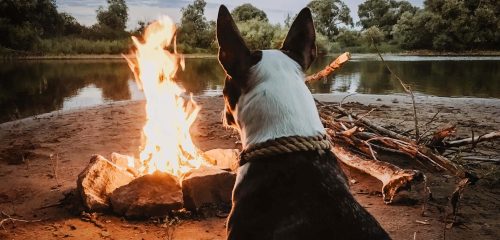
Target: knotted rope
x=284 y=145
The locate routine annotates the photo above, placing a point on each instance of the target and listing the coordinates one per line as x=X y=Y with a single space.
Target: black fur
x=236 y=59
x=300 y=42
x=301 y=195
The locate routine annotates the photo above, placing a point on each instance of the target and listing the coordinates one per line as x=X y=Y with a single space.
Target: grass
x=73 y=46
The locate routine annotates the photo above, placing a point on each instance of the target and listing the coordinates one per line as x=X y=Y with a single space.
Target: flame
x=168 y=146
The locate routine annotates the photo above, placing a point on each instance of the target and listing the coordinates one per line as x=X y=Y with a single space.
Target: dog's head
x=251 y=74
x=237 y=60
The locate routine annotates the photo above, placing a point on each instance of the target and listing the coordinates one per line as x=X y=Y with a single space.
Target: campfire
x=170 y=173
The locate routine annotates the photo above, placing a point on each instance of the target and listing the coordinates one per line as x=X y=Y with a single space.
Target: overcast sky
x=145 y=10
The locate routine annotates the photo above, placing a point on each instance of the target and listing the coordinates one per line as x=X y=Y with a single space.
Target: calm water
x=32 y=87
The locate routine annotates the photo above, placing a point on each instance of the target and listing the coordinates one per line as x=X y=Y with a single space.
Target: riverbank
x=59 y=146
x=207 y=55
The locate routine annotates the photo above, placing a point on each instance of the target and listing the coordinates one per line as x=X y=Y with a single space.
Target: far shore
x=210 y=55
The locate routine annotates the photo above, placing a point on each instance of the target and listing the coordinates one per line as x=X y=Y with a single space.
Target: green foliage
x=372 y=35
x=348 y=37
x=328 y=14
x=115 y=16
x=258 y=34
x=195 y=31
x=451 y=25
x=383 y=13
x=247 y=12
x=66 y=46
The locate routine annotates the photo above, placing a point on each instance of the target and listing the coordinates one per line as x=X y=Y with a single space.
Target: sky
x=145 y=10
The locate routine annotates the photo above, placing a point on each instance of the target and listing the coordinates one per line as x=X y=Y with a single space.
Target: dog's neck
x=279 y=103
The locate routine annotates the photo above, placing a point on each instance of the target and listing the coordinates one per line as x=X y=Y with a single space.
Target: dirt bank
x=60 y=145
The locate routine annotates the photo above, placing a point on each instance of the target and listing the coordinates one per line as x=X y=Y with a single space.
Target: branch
x=407 y=89
x=330 y=68
x=392 y=177
x=473 y=140
x=11 y=219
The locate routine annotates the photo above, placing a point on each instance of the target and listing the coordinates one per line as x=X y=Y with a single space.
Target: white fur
x=279 y=103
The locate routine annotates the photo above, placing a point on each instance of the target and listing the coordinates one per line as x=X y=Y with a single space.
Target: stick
x=375 y=127
x=473 y=140
x=330 y=68
x=11 y=219
x=480 y=159
x=407 y=89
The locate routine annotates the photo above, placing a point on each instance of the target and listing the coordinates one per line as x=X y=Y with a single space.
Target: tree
x=115 y=16
x=247 y=12
x=383 y=13
x=348 y=37
x=195 y=31
x=451 y=25
x=372 y=35
x=258 y=34
x=328 y=14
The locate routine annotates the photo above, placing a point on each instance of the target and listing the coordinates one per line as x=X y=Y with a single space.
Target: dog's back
x=299 y=195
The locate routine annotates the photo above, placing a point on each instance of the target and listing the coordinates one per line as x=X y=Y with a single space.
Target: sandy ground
x=60 y=145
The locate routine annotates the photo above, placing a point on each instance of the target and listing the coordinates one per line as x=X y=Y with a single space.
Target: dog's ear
x=234 y=55
x=300 y=42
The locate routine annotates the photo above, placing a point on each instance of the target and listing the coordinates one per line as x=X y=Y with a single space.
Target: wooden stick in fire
x=330 y=68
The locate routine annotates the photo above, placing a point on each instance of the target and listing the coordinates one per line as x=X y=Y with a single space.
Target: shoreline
x=214 y=55
x=393 y=100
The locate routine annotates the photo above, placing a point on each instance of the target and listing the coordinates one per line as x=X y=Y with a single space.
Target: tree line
x=442 y=25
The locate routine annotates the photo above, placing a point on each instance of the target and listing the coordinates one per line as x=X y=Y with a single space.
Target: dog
x=299 y=195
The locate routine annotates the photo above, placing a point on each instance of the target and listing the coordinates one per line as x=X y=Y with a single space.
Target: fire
x=168 y=146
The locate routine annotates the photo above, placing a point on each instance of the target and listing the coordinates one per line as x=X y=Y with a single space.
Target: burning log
x=207 y=185
x=393 y=178
x=98 y=180
x=151 y=195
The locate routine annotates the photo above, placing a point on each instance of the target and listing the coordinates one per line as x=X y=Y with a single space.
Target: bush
x=63 y=46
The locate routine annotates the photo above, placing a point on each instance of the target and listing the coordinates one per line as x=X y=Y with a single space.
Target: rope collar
x=283 y=145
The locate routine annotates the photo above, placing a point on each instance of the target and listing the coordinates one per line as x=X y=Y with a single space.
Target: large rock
x=207 y=185
x=151 y=195
x=98 y=180
x=224 y=158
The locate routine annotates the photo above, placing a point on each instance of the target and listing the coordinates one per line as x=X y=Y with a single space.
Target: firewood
x=473 y=140
x=330 y=68
x=392 y=177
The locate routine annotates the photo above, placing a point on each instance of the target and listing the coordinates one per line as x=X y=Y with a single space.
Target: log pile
x=358 y=143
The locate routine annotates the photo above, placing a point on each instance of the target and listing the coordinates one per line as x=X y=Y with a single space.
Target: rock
x=207 y=185
x=126 y=162
x=98 y=180
x=122 y=160
x=224 y=158
x=150 y=195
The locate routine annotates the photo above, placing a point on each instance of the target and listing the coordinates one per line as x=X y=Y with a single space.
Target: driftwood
x=392 y=177
x=473 y=140
x=357 y=139
x=330 y=68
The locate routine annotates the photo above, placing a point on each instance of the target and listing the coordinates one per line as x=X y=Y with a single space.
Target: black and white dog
x=301 y=195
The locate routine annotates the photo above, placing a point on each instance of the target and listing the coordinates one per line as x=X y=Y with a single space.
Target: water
x=28 y=88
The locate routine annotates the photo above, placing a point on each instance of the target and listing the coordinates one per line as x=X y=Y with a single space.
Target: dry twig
x=7 y=218
x=330 y=68
x=407 y=89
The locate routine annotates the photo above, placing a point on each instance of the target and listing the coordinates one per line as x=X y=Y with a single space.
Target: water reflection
x=32 y=87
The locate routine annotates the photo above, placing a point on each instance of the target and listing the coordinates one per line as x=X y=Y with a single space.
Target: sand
x=61 y=143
